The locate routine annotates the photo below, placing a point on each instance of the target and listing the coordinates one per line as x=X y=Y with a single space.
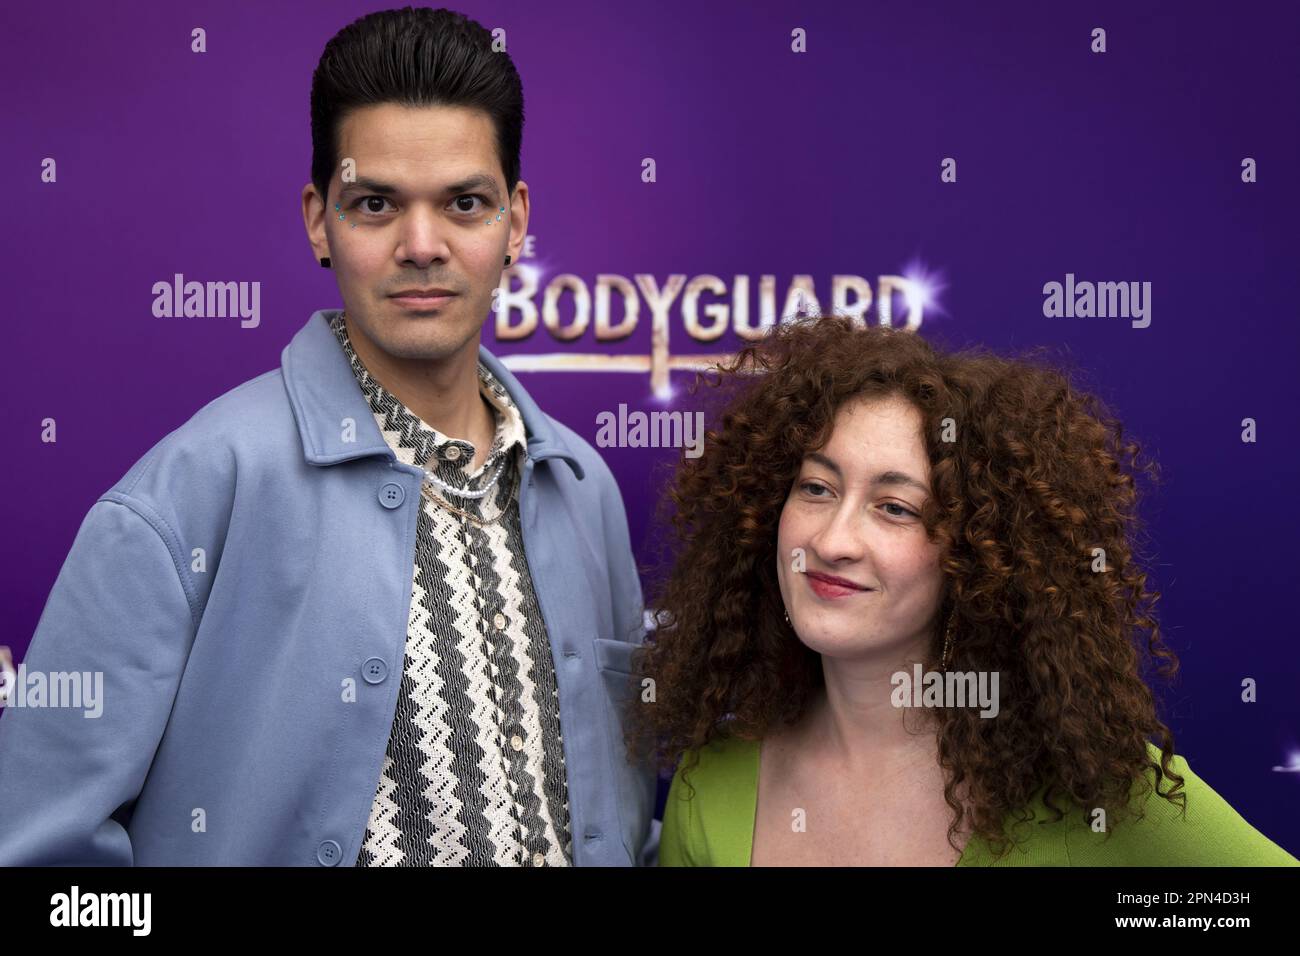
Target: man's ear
x=313 y=220
x=519 y=209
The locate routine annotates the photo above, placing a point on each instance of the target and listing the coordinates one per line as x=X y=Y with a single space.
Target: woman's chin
x=834 y=641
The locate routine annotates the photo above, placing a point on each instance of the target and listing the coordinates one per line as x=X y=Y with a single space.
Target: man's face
x=427 y=182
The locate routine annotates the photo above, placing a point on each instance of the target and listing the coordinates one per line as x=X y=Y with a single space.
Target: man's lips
x=831 y=586
x=423 y=300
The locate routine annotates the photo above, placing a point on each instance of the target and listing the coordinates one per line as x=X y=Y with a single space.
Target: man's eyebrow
x=884 y=478
x=480 y=181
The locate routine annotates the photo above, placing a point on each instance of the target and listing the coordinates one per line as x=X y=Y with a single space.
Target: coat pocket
x=614 y=655
x=635 y=783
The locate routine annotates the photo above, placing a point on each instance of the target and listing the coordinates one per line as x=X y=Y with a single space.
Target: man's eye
x=366 y=200
x=460 y=199
x=374 y=205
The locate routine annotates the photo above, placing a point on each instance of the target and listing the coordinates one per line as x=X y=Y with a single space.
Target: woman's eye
x=890 y=504
x=809 y=486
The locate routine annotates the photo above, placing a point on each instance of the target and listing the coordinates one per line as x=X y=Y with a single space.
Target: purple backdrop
x=1116 y=166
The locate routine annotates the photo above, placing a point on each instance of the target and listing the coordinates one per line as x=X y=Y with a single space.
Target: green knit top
x=715 y=825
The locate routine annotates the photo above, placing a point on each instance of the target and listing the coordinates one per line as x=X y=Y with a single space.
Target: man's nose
x=423 y=238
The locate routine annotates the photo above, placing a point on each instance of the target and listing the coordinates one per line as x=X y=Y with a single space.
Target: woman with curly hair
x=870 y=507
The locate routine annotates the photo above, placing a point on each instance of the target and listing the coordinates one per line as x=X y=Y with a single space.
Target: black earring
x=507 y=260
x=325 y=262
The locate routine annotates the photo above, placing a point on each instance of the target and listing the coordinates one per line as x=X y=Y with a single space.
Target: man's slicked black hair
x=415 y=56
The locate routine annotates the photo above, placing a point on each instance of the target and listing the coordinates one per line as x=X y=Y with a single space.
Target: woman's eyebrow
x=884 y=478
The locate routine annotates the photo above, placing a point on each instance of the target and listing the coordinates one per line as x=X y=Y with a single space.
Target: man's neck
x=443 y=394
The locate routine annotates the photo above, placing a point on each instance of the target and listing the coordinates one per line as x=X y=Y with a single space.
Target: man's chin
x=422 y=337
x=426 y=349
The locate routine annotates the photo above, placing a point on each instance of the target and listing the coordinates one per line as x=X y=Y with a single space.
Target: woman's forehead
x=881 y=436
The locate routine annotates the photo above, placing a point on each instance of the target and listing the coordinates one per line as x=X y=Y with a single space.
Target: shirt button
x=538 y=859
x=374 y=670
x=452 y=453
x=499 y=620
x=329 y=853
x=517 y=742
x=391 y=495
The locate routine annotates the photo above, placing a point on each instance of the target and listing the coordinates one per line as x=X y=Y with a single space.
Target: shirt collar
x=418 y=443
x=324 y=396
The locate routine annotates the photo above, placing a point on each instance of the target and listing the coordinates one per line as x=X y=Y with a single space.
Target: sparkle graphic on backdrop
x=1292 y=765
x=518 y=314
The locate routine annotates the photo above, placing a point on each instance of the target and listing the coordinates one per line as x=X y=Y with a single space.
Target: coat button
x=538 y=859
x=391 y=495
x=499 y=620
x=374 y=670
x=329 y=853
x=452 y=453
x=517 y=742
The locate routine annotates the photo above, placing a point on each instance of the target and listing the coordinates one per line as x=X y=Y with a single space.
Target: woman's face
x=854 y=510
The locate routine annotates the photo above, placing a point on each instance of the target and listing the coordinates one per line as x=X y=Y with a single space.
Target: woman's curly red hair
x=1036 y=478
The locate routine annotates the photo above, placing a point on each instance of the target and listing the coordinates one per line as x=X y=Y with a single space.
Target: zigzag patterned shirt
x=474 y=772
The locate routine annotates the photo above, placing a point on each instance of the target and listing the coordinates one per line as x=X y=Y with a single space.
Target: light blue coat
x=249 y=688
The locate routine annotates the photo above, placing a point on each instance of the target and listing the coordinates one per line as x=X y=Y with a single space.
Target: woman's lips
x=829 y=589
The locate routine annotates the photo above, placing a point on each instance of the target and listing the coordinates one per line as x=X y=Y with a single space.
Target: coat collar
x=323 y=392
